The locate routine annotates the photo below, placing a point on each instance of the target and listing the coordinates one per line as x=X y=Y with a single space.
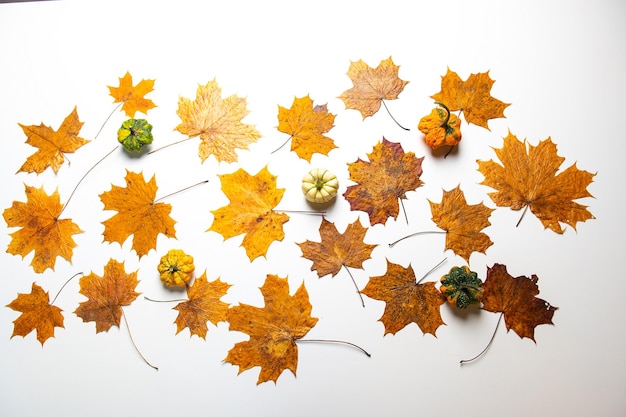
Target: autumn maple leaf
x=372 y=85
x=516 y=299
x=407 y=301
x=472 y=97
x=204 y=305
x=306 y=126
x=138 y=214
x=106 y=295
x=131 y=96
x=530 y=180
x=462 y=222
x=336 y=250
x=52 y=145
x=381 y=181
x=41 y=229
x=251 y=211
x=273 y=330
x=217 y=122
x=37 y=314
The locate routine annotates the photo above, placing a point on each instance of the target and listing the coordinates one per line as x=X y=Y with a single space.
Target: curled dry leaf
x=131 y=96
x=41 y=229
x=529 y=179
x=406 y=300
x=37 y=314
x=217 y=122
x=52 y=145
x=273 y=330
x=381 y=181
x=251 y=211
x=138 y=214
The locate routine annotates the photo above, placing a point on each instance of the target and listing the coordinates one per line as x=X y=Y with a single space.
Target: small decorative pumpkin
x=176 y=268
x=440 y=127
x=319 y=185
x=135 y=133
x=462 y=287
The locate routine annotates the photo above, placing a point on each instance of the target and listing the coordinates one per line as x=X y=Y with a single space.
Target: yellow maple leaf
x=41 y=229
x=52 y=145
x=133 y=96
x=217 y=122
x=251 y=211
x=37 y=314
x=472 y=97
x=137 y=214
x=306 y=126
x=372 y=85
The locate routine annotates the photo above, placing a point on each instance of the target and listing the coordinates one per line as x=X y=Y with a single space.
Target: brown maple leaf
x=515 y=299
x=306 y=126
x=138 y=214
x=336 y=250
x=530 y=180
x=41 y=229
x=204 y=305
x=106 y=295
x=273 y=330
x=372 y=85
x=52 y=145
x=37 y=314
x=133 y=96
x=407 y=301
x=462 y=222
x=381 y=181
x=217 y=122
x=472 y=97
x=251 y=211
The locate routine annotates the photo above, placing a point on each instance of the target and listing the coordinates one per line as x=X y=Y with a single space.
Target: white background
x=562 y=66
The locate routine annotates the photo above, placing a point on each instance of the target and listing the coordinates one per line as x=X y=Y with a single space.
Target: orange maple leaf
x=515 y=299
x=52 y=145
x=217 y=122
x=37 y=314
x=251 y=211
x=273 y=330
x=306 y=126
x=204 y=305
x=133 y=97
x=138 y=214
x=381 y=181
x=106 y=295
x=336 y=250
x=530 y=180
x=41 y=229
x=472 y=97
x=407 y=301
x=462 y=222
x=372 y=85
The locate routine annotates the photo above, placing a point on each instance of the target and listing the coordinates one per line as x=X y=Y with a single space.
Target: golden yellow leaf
x=37 y=314
x=133 y=96
x=217 y=122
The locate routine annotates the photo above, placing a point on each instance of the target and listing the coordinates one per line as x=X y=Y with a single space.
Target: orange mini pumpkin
x=440 y=128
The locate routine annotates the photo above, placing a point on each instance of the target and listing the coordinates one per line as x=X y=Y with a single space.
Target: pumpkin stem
x=335 y=341
x=63 y=286
x=445 y=122
x=133 y=342
x=355 y=286
x=391 y=115
x=392 y=244
x=180 y=191
x=482 y=352
x=107 y=119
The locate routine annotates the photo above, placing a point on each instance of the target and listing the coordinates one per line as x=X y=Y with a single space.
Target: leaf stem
x=522 y=216
x=281 y=146
x=310 y=212
x=393 y=118
x=335 y=341
x=171 y=144
x=83 y=177
x=107 y=119
x=488 y=344
x=179 y=300
x=63 y=286
x=355 y=286
x=431 y=270
x=392 y=244
x=133 y=342
x=180 y=191
x=406 y=218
